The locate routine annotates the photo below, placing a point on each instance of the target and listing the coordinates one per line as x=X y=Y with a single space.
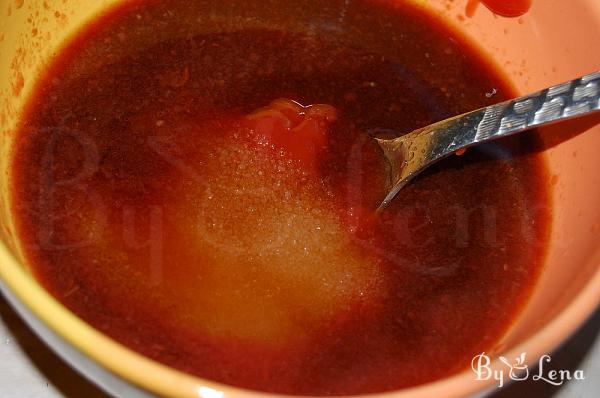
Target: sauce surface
x=197 y=181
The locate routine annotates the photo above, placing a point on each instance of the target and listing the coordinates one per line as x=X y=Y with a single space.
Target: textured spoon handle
x=555 y=103
x=411 y=153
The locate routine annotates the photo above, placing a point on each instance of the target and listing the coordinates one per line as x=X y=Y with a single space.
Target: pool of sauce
x=197 y=180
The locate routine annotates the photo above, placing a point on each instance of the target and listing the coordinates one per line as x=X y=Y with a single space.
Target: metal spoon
x=412 y=153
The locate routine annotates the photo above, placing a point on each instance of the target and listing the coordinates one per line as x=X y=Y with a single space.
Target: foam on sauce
x=268 y=239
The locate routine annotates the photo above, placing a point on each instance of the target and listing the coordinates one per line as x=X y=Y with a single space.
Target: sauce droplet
x=18 y=84
x=505 y=8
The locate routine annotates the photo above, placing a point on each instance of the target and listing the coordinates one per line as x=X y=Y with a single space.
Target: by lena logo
x=518 y=370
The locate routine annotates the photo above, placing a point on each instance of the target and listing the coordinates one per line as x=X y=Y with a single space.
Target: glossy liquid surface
x=166 y=196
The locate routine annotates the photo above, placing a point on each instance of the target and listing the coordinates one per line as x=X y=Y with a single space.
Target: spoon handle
x=563 y=101
x=409 y=154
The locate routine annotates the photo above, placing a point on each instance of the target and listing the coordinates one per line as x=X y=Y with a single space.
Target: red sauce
x=300 y=131
x=505 y=8
x=196 y=180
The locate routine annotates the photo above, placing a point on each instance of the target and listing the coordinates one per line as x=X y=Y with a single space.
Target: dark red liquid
x=505 y=8
x=164 y=197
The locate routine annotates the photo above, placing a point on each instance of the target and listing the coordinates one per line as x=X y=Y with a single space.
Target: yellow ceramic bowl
x=556 y=41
